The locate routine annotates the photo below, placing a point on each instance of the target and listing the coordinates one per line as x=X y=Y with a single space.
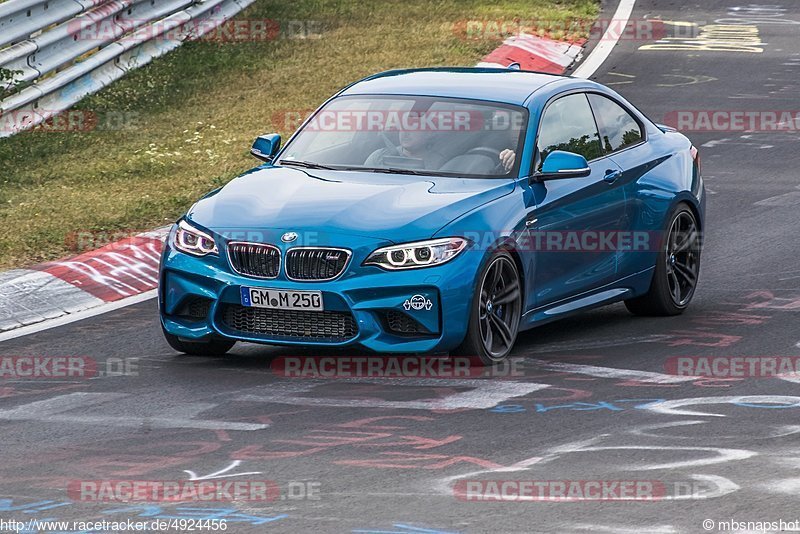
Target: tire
x=677 y=268
x=495 y=312
x=211 y=347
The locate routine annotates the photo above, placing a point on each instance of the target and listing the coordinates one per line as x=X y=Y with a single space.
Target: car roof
x=476 y=83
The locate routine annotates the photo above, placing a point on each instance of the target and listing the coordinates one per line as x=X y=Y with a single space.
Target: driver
x=508 y=157
x=417 y=144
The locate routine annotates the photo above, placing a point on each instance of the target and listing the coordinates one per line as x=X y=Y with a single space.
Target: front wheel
x=677 y=269
x=211 y=347
x=495 y=313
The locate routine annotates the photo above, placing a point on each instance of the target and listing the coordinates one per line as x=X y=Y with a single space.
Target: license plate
x=279 y=299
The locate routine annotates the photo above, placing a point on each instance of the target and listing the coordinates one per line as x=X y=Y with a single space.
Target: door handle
x=612 y=176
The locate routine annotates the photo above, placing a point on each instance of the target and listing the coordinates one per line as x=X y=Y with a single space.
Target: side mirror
x=266 y=147
x=559 y=165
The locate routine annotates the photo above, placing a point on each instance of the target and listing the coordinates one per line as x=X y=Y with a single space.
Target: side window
x=618 y=128
x=568 y=125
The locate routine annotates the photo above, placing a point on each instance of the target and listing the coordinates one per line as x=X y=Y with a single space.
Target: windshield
x=412 y=135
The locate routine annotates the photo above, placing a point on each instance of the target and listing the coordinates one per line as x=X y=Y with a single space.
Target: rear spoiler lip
x=666 y=129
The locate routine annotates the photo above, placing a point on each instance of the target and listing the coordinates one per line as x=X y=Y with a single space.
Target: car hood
x=390 y=207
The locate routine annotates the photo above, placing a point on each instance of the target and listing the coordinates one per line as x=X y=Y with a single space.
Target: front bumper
x=373 y=297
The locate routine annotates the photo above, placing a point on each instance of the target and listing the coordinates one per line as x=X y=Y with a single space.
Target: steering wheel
x=387 y=141
x=491 y=153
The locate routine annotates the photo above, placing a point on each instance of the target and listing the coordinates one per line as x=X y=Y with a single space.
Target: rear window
x=618 y=128
x=568 y=125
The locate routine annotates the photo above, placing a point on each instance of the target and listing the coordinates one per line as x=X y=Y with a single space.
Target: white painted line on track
x=58 y=405
x=485 y=394
x=55 y=410
x=29 y=297
x=79 y=316
x=673 y=407
x=610 y=372
x=607 y=42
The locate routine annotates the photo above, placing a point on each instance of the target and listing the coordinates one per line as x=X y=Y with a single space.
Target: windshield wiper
x=305 y=164
x=389 y=170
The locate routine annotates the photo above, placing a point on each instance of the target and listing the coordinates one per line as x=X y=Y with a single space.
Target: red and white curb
x=116 y=272
x=126 y=272
x=535 y=53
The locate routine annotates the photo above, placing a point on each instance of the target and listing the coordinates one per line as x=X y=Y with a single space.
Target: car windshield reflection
x=412 y=135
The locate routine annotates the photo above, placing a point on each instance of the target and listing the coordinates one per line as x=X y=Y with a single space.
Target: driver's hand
x=507 y=158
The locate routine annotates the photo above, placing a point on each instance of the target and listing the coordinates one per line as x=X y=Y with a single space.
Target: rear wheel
x=495 y=314
x=211 y=347
x=677 y=269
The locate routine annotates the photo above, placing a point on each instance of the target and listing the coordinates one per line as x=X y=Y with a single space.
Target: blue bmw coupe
x=440 y=210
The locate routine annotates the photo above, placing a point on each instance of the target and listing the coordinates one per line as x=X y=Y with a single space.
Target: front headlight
x=417 y=255
x=192 y=241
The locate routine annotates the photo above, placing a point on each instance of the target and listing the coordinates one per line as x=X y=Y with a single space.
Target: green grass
x=191 y=116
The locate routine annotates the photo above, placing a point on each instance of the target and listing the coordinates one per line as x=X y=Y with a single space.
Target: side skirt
x=623 y=289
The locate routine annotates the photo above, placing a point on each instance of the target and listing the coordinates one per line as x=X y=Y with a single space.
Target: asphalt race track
x=386 y=455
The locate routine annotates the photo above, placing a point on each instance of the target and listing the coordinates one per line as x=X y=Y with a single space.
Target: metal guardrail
x=64 y=50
